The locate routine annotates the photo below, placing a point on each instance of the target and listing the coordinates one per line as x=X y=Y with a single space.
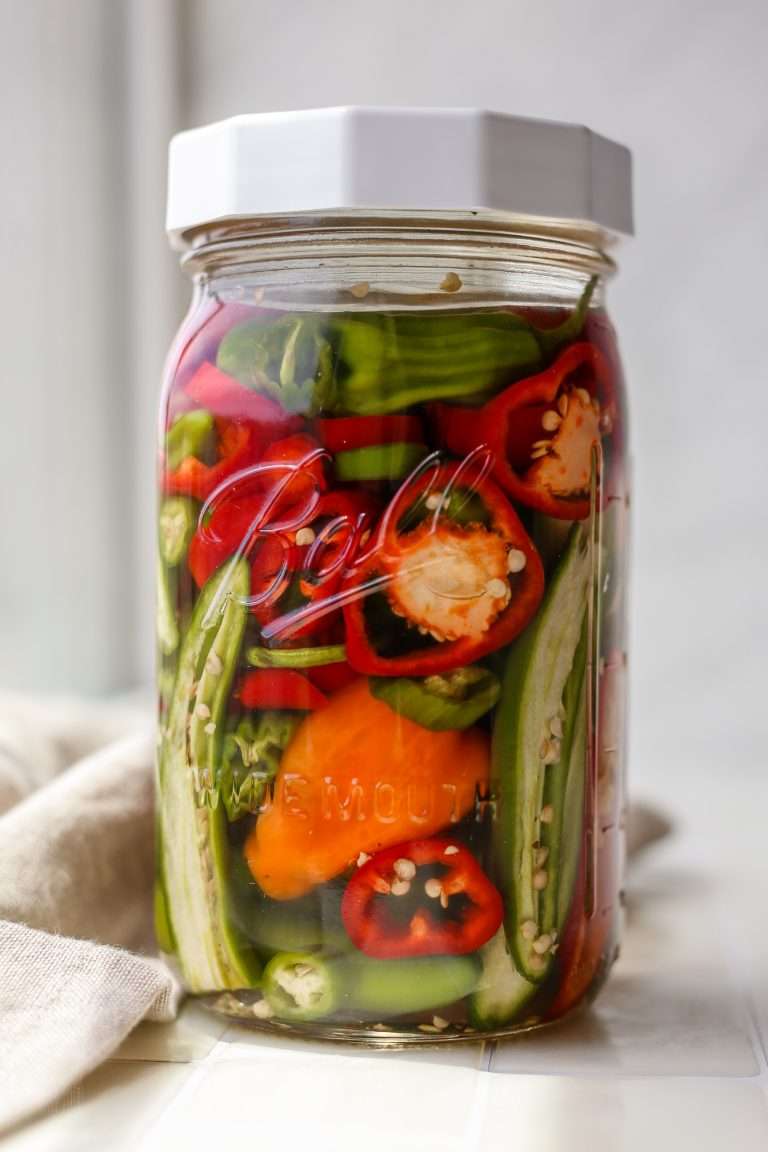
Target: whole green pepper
x=308 y=986
x=455 y=700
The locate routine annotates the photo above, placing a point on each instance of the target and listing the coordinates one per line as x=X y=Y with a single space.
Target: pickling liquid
x=391 y=631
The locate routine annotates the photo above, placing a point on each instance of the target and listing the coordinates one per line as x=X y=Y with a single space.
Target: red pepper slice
x=280 y=688
x=225 y=396
x=472 y=586
x=542 y=431
x=239 y=444
x=339 y=433
x=421 y=898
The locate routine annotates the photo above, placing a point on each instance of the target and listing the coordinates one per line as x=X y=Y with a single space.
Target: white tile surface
x=108 y=1112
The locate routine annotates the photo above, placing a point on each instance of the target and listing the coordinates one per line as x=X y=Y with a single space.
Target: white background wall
x=92 y=90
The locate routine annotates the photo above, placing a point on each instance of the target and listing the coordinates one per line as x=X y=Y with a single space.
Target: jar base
x=378 y=1035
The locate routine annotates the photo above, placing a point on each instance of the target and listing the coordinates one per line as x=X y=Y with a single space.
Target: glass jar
x=391 y=617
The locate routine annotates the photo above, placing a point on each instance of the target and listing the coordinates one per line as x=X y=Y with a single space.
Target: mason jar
x=392 y=572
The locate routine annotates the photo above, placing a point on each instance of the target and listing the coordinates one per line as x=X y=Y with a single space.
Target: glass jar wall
x=391 y=624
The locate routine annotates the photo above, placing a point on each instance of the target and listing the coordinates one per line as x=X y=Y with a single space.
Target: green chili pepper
x=191 y=434
x=288 y=359
x=167 y=626
x=296 y=657
x=193 y=832
x=250 y=758
x=376 y=988
x=456 y=700
x=552 y=340
x=301 y=986
x=378 y=462
x=177 y=524
x=538 y=744
x=306 y=986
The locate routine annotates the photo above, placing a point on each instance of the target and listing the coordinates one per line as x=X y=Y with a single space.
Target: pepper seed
x=210 y=728
x=203 y=711
x=551 y=421
x=400 y=887
x=540 y=879
x=433 y=501
x=556 y=727
x=362 y=859
x=360 y=290
x=562 y=405
x=538 y=453
x=583 y=395
x=529 y=930
x=440 y=1023
x=213 y=664
x=305 y=536
x=540 y=856
x=404 y=869
x=443 y=899
x=516 y=560
x=451 y=850
x=496 y=587
x=433 y=888
x=542 y=945
x=450 y=283
x=380 y=885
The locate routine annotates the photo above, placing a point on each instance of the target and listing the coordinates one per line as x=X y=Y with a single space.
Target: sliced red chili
x=341 y=433
x=542 y=431
x=421 y=898
x=451 y=576
x=331 y=677
x=280 y=688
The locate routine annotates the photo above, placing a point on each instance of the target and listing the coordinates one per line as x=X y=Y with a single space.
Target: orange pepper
x=357 y=777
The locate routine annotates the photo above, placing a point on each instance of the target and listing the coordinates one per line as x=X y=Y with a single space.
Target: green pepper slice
x=177 y=523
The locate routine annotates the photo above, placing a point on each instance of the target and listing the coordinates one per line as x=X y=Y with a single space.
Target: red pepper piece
x=421 y=898
x=239 y=445
x=542 y=431
x=280 y=688
x=224 y=396
x=331 y=677
x=340 y=433
x=472 y=586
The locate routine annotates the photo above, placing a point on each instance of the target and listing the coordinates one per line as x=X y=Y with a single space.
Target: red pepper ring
x=493 y=425
x=421 y=898
x=380 y=568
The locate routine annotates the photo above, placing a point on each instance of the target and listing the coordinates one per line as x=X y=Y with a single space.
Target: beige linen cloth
x=76 y=834
x=77 y=972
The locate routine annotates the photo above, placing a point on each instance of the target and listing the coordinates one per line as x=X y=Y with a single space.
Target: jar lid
x=415 y=160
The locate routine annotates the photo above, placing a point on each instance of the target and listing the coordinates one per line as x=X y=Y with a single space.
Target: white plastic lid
x=406 y=159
